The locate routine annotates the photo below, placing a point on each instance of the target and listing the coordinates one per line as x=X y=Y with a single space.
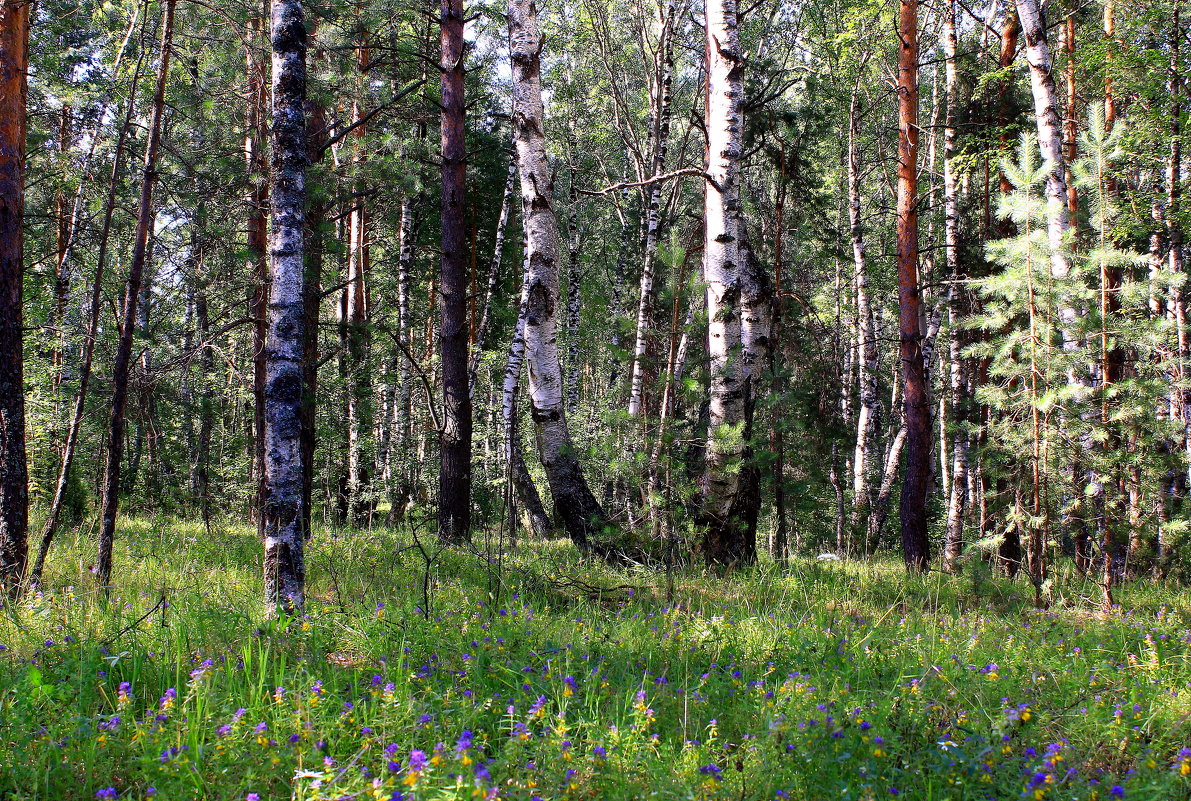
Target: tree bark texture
x=14 y=475
x=283 y=521
x=915 y=545
x=577 y=508
x=956 y=501
x=454 y=498
x=1050 y=138
x=725 y=541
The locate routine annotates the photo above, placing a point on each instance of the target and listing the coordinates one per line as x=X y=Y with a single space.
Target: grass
x=539 y=676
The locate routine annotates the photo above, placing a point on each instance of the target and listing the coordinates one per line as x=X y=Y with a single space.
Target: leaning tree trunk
x=581 y=514
x=454 y=489
x=14 y=474
x=283 y=520
x=526 y=492
x=915 y=545
x=132 y=289
x=959 y=442
x=50 y=527
x=724 y=540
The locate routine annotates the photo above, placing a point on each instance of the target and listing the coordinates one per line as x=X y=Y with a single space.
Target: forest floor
x=539 y=676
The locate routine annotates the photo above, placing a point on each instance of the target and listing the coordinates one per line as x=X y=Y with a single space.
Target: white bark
x=959 y=448
x=721 y=258
x=574 y=502
x=1050 y=137
x=282 y=525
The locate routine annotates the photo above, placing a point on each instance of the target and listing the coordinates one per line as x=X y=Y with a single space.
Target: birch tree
x=574 y=503
x=724 y=539
x=283 y=521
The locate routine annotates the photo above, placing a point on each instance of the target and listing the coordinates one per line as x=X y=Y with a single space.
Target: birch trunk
x=868 y=362
x=957 y=500
x=359 y=390
x=14 y=474
x=506 y=206
x=724 y=540
x=660 y=137
x=1050 y=139
x=454 y=488
x=399 y=453
x=580 y=513
x=284 y=519
x=132 y=289
x=523 y=486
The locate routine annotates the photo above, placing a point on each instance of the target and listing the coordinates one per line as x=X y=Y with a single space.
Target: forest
x=688 y=399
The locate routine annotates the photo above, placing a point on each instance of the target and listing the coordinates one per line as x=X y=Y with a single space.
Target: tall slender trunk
x=359 y=393
x=868 y=362
x=400 y=493
x=14 y=473
x=1174 y=232
x=284 y=519
x=132 y=288
x=50 y=527
x=498 y=249
x=256 y=201
x=201 y=476
x=725 y=541
x=454 y=489
x=959 y=439
x=580 y=512
x=1070 y=124
x=313 y=251
x=574 y=296
x=660 y=139
x=915 y=545
x=1112 y=356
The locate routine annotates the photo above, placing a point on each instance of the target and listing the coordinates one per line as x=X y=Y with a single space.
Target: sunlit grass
x=539 y=675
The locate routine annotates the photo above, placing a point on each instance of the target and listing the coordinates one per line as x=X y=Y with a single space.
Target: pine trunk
x=454 y=489
x=14 y=474
x=915 y=545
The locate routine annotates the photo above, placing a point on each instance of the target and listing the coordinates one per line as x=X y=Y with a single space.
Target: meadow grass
x=425 y=674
